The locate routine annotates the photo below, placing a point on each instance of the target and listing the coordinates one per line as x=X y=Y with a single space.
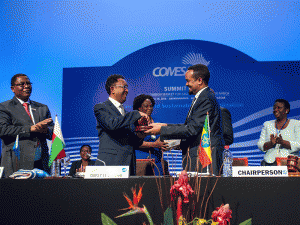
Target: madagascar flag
x=204 y=147
x=58 y=144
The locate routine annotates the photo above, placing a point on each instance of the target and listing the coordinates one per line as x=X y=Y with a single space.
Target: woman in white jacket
x=280 y=137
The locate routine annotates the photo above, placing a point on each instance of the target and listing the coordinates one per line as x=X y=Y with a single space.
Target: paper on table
x=173 y=143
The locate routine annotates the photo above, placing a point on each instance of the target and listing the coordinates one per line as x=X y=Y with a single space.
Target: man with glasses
x=31 y=122
x=116 y=128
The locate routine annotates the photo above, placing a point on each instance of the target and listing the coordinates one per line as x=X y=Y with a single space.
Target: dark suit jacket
x=190 y=132
x=116 y=135
x=13 y=121
x=227 y=126
x=76 y=165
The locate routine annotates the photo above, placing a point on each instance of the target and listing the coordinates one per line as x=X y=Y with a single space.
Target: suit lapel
x=204 y=92
x=23 y=114
x=113 y=107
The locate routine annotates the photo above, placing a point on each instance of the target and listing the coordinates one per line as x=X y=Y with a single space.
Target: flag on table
x=58 y=143
x=16 y=147
x=204 y=147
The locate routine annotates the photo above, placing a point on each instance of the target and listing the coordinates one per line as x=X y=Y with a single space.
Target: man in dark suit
x=227 y=126
x=197 y=78
x=116 y=128
x=31 y=121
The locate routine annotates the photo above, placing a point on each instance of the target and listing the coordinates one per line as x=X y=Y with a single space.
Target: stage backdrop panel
x=248 y=88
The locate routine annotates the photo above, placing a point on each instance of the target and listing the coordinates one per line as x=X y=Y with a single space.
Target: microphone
x=89 y=155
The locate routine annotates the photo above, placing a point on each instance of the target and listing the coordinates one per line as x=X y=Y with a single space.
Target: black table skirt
x=81 y=201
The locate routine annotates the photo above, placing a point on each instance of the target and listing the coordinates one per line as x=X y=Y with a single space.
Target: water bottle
x=55 y=168
x=227 y=162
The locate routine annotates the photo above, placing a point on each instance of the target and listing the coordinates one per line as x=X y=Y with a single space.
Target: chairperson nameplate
x=260 y=171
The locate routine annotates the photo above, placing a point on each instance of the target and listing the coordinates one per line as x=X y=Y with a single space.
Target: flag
x=16 y=147
x=204 y=147
x=58 y=144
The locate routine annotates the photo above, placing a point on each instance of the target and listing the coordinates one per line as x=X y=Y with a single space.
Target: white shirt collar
x=21 y=101
x=116 y=104
x=199 y=92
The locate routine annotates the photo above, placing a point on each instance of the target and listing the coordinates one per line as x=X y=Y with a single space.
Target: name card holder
x=106 y=172
x=260 y=171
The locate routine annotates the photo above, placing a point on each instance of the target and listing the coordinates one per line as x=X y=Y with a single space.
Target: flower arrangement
x=180 y=192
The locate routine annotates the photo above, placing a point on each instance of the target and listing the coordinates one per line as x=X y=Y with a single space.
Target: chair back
x=144 y=167
x=282 y=161
x=240 y=161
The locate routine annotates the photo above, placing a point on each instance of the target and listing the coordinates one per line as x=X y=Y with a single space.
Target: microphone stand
x=89 y=155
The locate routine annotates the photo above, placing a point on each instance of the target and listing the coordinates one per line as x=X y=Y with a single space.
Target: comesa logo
x=124 y=169
x=188 y=59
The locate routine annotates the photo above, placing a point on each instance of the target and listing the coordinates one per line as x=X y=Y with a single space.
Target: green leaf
x=131 y=212
x=148 y=215
x=168 y=217
x=106 y=220
x=247 y=222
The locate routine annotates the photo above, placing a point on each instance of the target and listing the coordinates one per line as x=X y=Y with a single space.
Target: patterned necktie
x=25 y=104
x=191 y=106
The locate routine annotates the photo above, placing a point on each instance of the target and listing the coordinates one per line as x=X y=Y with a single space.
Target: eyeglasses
x=23 y=84
x=122 y=86
x=278 y=107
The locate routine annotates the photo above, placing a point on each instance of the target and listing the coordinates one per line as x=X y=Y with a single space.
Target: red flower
x=182 y=186
x=179 y=208
x=222 y=214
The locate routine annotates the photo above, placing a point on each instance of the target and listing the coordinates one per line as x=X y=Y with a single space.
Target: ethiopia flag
x=58 y=144
x=204 y=147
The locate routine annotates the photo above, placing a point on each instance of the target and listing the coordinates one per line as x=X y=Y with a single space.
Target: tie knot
x=25 y=104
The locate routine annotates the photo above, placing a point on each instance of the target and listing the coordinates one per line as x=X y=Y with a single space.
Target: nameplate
x=106 y=172
x=260 y=171
x=1 y=171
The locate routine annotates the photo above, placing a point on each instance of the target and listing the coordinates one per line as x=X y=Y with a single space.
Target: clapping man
x=31 y=121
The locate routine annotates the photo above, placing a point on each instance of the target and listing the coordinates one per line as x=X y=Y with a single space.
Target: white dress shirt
x=195 y=99
x=118 y=105
x=29 y=108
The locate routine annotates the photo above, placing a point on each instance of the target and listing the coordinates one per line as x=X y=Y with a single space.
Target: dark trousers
x=38 y=164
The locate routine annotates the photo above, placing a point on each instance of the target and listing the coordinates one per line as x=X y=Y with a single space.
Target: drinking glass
x=66 y=161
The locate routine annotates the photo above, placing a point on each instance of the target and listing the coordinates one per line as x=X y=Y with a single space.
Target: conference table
x=81 y=201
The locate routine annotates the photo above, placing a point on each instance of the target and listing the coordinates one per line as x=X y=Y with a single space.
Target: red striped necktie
x=25 y=104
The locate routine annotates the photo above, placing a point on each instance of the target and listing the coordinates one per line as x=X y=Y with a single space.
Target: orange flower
x=136 y=198
x=133 y=205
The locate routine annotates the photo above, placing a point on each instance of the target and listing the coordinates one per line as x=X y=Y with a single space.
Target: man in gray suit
x=31 y=121
x=197 y=78
x=116 y=128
